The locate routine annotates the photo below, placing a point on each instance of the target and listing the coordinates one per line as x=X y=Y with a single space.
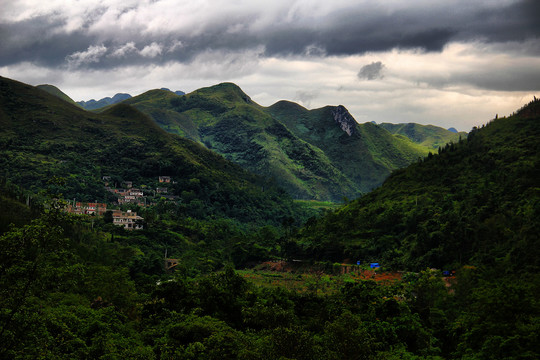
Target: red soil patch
x=355 y=271
x=449 y=281
x=281 y=266
x=379 y=276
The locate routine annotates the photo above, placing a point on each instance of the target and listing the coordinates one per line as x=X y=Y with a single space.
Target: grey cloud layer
x=346 y=31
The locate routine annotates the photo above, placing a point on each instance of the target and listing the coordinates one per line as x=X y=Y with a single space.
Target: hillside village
x=125 y=196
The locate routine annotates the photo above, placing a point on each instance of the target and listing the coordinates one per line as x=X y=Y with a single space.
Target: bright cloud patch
x=152 y=50
x=124 y=50
x=92 y=55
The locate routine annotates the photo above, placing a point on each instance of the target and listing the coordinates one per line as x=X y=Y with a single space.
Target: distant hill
x=429 y=136
x=51 y=89
x=309 y=152
x=93 y=104
x=476 y=202
x=43 y=137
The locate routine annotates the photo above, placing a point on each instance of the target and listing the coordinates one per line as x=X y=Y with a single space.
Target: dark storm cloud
x=40 y=41
x=356 y=31
x=346 y=31
x=515 y=22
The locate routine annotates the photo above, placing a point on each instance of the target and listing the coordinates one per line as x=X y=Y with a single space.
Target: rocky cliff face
x=344 y=119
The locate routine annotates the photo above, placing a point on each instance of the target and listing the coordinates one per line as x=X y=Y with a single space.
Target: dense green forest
x=73 y=288
x=476 y=201
x=79 y=287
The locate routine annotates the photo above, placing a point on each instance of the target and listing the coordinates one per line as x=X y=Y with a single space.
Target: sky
x=451 y=63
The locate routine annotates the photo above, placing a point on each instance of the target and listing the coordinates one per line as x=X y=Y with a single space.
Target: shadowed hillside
x=53 y=90
x=42 y=137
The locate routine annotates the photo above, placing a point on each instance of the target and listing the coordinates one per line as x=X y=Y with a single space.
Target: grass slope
x=53 y=90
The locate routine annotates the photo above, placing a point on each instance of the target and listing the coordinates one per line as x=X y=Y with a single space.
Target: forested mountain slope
x=309 y=153
x=473 y=209
x=42 y=137
x=77 y=287
x=227 y=121
x=476 y=203
x=365 y=153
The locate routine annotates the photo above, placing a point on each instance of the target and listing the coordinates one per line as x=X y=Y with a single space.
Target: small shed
x=170 y=264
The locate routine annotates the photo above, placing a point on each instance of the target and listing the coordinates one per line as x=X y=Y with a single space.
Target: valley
x=248 y=226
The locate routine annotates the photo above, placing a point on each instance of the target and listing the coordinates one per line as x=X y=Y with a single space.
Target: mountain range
x=429 y=136
x=93 y=104
x=321 y=154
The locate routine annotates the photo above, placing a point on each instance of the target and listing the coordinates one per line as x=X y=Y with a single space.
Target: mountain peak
x=227 y=91
x=177 y=92
x=344 y=119
x=120 y=97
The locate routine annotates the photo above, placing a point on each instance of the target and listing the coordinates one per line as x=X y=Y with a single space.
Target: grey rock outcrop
x=344 y=119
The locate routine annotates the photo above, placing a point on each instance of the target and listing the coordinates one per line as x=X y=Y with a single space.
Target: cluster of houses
x=81 y=208
x=128 y=195
x=128 y=219
x=131 y=195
